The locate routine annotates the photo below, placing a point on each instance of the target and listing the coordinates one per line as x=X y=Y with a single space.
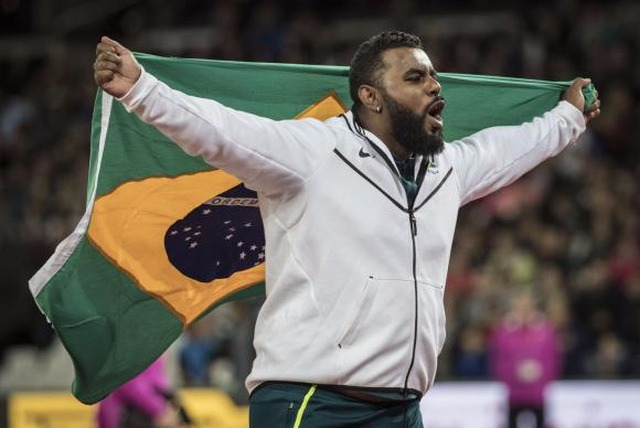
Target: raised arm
x=269 y=156
x=495 y=157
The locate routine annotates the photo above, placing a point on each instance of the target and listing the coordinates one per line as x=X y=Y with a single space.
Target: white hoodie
x=354 y=276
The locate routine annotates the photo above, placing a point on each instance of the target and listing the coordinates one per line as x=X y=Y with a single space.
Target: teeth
x=435 y=110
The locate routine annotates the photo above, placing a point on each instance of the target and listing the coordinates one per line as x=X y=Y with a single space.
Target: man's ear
x=370 y=98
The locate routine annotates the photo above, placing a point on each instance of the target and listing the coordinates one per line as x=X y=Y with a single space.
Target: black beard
x=408 y=129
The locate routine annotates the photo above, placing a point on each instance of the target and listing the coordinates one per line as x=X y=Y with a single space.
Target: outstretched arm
x=269 y=156
x=495 y=157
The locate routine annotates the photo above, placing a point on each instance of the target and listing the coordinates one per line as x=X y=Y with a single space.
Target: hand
x=115 y=68
x=574 y=95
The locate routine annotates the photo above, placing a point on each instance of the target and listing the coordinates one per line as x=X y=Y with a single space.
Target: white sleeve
x=268 y=155
x=495 y=157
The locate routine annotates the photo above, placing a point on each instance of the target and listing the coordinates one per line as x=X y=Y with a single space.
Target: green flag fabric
x=137 y=269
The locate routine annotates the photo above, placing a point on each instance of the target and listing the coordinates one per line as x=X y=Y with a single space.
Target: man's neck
x=379 y=125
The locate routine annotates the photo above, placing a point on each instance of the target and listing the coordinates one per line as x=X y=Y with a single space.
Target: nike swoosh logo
x=363 y=154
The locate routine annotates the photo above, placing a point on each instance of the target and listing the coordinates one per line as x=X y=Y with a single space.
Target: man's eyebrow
x=419 y=70
x=422 y=71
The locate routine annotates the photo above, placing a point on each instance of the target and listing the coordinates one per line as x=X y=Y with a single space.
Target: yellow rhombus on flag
x=129 y=227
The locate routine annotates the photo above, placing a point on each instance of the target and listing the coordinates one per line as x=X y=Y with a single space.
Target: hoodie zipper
x=414 y=232
x=413 y=224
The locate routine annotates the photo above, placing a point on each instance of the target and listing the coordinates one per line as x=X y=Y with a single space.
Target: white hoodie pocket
x=383 y=315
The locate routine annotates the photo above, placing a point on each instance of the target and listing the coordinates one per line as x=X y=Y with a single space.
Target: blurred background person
x=146 y=401
x=525 y=356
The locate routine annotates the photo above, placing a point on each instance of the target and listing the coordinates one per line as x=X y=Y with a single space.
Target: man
x=359 y=214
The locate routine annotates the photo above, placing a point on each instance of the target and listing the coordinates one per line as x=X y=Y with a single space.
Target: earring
x=378 y=109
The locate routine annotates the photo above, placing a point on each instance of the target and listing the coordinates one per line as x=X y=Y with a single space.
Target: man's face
x=411 y=96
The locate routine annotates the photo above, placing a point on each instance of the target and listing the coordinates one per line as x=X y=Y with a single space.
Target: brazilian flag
x=166 y=237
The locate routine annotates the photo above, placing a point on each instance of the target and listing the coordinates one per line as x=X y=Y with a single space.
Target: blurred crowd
x=568 y=232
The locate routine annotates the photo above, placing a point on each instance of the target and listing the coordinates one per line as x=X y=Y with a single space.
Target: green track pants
x=292 y=405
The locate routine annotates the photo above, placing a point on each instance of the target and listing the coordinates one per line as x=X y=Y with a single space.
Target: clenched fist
x=115 y=68
x=574 y=95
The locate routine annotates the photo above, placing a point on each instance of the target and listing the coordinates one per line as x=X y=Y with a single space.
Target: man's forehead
x=406 y=58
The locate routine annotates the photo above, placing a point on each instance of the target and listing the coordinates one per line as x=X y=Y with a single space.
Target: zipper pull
x=414 y=224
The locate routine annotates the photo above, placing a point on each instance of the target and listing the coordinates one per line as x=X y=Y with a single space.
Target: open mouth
x=435 y=110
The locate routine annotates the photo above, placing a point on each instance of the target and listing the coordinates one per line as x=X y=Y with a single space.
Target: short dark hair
x=367 y=61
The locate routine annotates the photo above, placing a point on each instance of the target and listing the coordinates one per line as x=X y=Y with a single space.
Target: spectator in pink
x=525 y=356
x=146 y=395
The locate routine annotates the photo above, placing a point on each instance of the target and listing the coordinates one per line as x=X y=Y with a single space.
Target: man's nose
x=433 y=86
